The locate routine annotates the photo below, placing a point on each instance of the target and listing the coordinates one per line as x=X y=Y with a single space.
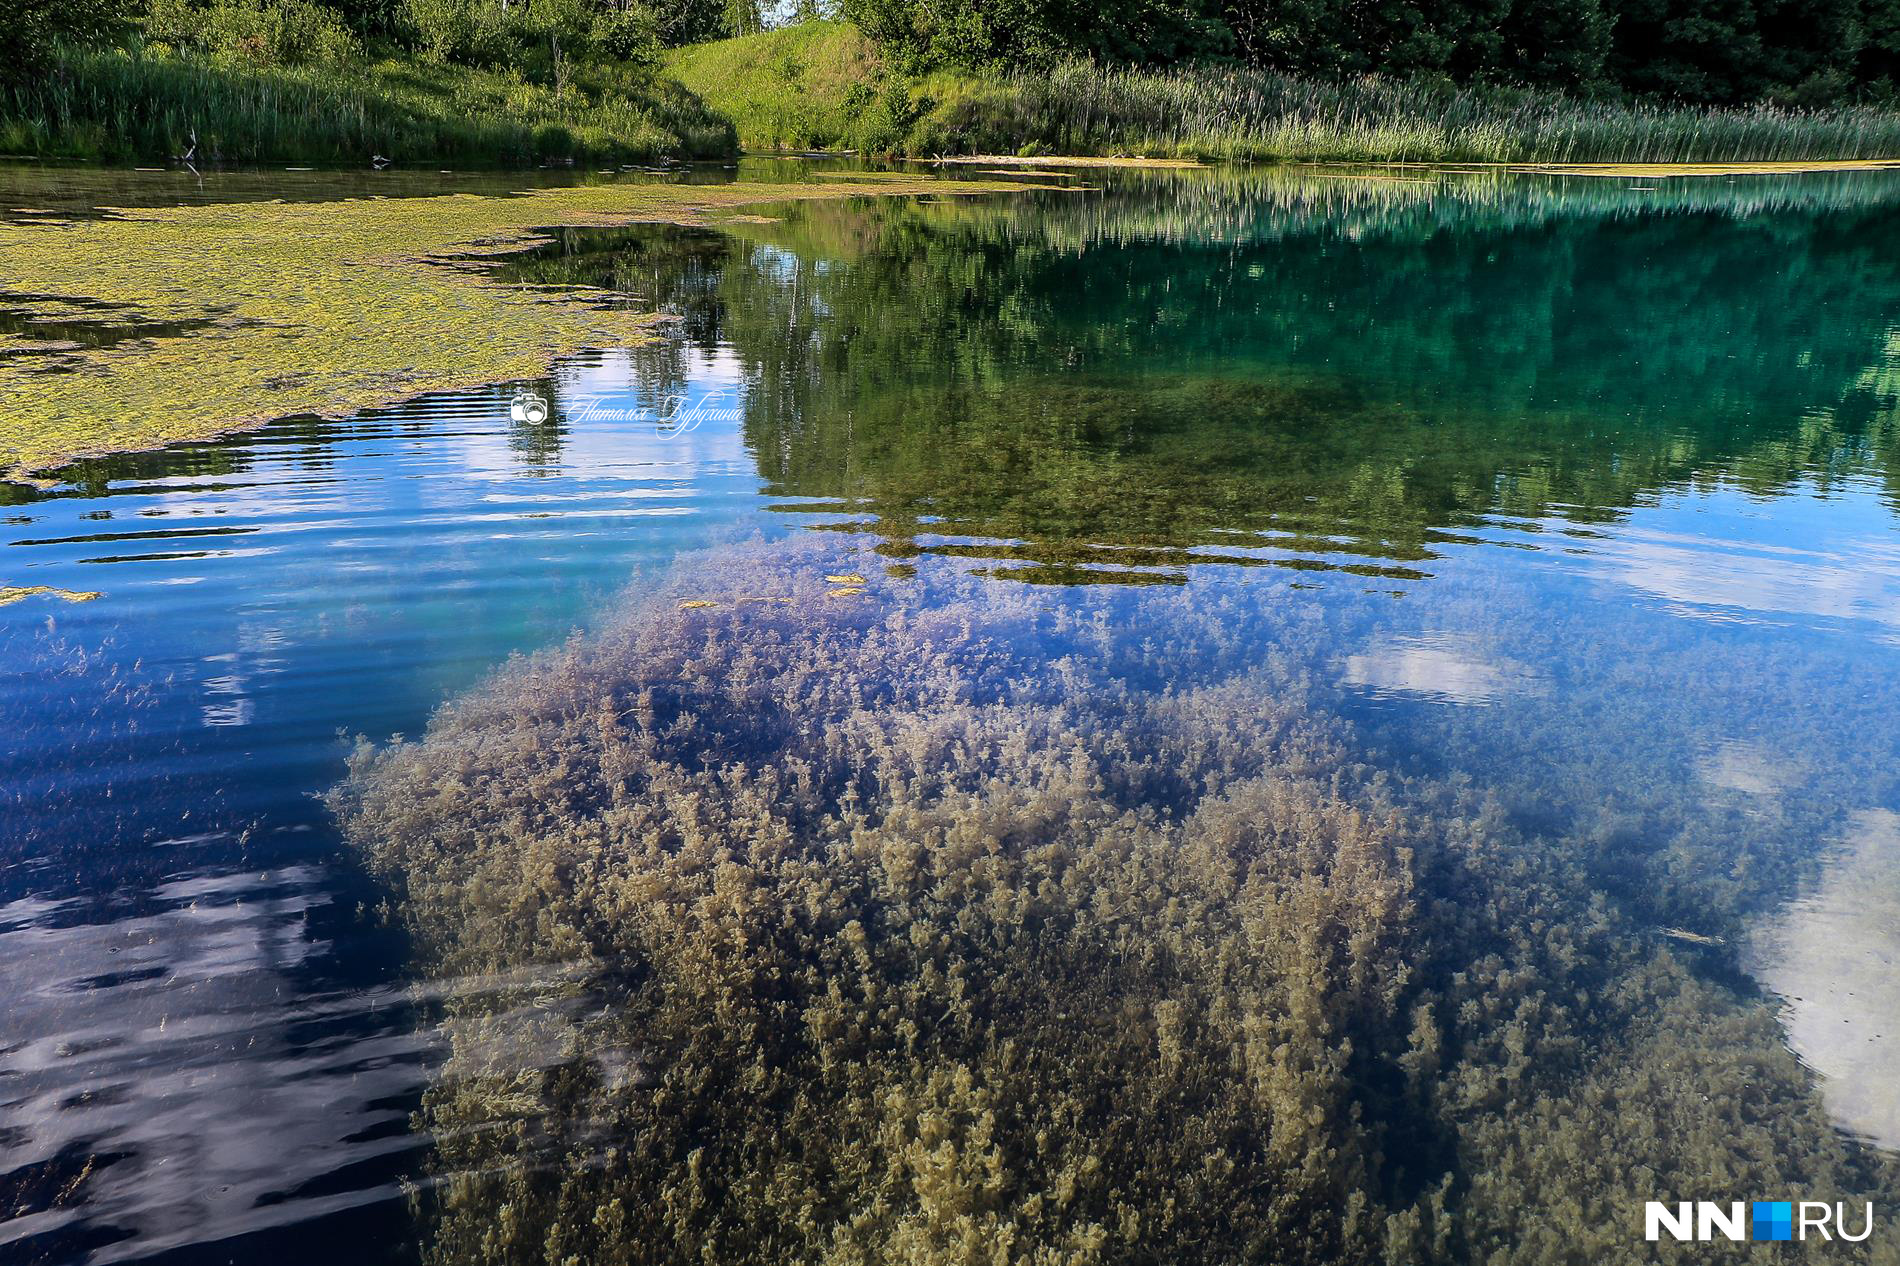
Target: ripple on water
x=159 y=1069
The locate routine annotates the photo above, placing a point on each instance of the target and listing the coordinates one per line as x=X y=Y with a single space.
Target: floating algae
x=10 y=594
x=321 y=307
x=993 y=923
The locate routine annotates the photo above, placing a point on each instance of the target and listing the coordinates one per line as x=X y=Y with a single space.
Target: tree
x=1010 y=33
x=1560 y=43
x=690 y=21
x=1880 y=54
x=33 y=27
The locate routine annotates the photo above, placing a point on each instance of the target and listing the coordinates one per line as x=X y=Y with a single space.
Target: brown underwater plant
x=975 y=923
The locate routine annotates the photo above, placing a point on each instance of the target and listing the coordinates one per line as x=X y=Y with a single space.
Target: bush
x=630 y=37
x=257 y=32
x=461 y=30
x=31 y=29
x=137 y=105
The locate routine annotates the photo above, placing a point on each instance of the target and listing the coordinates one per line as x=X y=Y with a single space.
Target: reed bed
x=1245 y=114
x=822 y=84
x=122 y=105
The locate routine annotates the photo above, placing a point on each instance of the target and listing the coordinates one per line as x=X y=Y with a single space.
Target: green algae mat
x=151 y=326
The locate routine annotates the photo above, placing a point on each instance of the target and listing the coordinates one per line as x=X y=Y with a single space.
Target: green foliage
x=1796 y=51
x=477 y=32
x=627 y=37
x=254 y=32
x=812 y=85
x=681 y=22
x=920 y=36
x=30 y=30
x=802 y=86
x=1799 y=50
x=883 y=119
x=597 y=57
x=144 y=105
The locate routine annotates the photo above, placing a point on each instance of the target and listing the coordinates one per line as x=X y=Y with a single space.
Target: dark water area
x=1551 y=522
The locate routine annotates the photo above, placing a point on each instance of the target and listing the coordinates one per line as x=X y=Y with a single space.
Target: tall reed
x=824 y=84
x=131 y=105
x=1237 y=113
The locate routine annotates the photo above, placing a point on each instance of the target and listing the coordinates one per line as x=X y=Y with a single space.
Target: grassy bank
x=822 y=84
x=314 y=307
x=121 y=105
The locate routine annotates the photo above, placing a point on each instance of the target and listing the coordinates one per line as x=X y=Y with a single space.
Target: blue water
x=210 y=1048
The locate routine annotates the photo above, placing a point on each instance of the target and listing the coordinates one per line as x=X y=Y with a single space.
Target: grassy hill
x=792 y=88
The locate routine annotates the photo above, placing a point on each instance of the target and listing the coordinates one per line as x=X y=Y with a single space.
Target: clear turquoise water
x=1580 y=490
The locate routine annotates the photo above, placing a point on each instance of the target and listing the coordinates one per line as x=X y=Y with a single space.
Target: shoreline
x=378 y=297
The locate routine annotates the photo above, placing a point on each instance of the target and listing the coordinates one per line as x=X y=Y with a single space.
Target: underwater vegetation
x=950 y=921
x=282 y=308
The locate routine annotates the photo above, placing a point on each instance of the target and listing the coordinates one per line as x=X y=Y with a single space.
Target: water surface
x=1575 y=493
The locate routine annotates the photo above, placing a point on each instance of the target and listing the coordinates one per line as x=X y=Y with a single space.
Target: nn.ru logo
x=1756 y=1220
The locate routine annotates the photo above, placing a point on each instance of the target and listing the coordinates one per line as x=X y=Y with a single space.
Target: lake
x=1297 y=710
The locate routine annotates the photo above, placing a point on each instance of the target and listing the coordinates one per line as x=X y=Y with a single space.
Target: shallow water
x=1580 y=492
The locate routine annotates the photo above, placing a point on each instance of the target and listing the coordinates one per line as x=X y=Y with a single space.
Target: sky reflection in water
x=1434 y=420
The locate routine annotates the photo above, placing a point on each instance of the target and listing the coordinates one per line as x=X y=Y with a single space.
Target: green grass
x=788 y=88
x=822 y=85
x=129 y=105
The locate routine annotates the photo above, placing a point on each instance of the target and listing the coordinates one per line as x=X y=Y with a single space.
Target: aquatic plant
x=10 y=594
x=953 y=922
x=262 y=310
x=907 y=962
x=1238 y=113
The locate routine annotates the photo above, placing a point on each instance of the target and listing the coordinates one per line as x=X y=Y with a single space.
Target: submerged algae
x=909 y=963
x=10 y=594
x=284 y=308
x=977 y=922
